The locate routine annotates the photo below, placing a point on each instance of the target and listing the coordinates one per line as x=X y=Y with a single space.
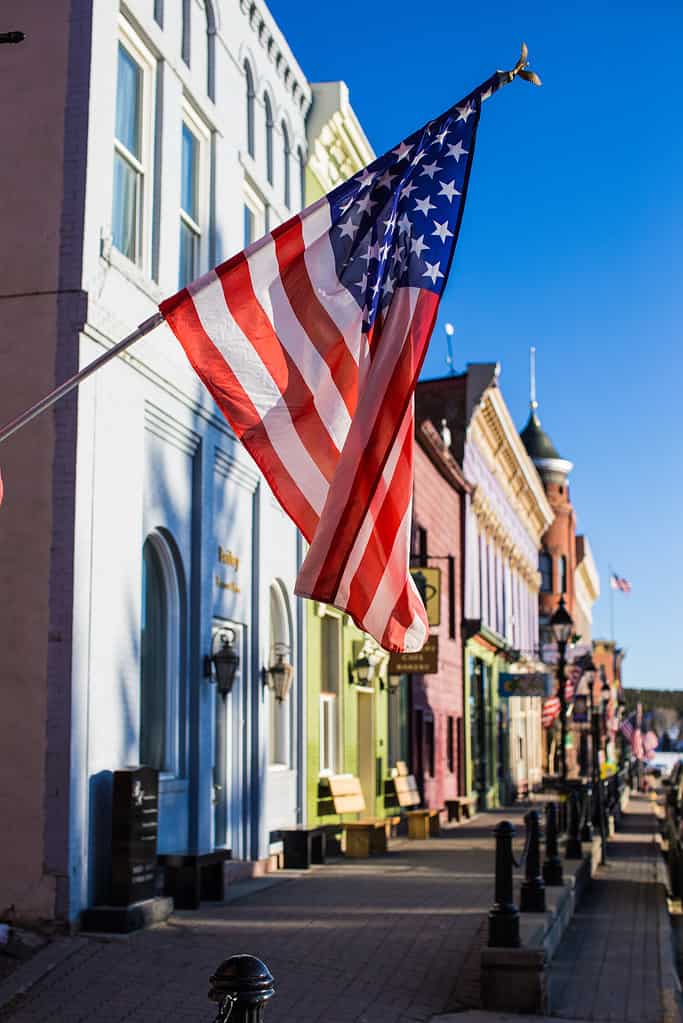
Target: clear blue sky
x=571 y=240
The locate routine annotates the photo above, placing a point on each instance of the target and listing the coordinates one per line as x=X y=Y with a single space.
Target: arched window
x=545 y=567
x=286 y=153
x=269 y=136
x=161 y=643
x=563 y=574
x=251 y=100
x=302 y=177
x=280 y=713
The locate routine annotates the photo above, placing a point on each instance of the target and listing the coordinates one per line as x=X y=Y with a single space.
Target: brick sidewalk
x=615 y=961
x=385 y=940
x=390 y=940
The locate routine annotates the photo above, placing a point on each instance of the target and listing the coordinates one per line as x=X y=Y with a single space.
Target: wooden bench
x=461 y=808
x=191 y=877
x=366 y=836
x=303 y=846
x=422 y=823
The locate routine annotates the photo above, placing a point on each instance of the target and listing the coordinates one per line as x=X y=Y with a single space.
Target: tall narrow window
x=279 y=712
x=251 y=101
x=545 y=567
x=330 y=676
x=269 y=136
x=185 y=40
x=154 y=661
x=563 y=574
x=249 y=226
x=286 y=154
x=128 y=165
x=430 y=751
x=302 y=177
x=450 y=744
x=190 y=231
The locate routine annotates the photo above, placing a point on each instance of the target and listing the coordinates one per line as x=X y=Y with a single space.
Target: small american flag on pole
x=311 y=342
x=617 y=582
x=549 y=711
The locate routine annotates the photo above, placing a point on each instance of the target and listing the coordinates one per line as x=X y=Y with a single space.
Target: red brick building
x=557 y=562
x=435 y=705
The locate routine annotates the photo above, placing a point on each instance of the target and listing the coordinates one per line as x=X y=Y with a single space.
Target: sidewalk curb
x=37 y=967
x=672 y=998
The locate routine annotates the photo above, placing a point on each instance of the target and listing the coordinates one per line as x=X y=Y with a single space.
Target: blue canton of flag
x=396 y=223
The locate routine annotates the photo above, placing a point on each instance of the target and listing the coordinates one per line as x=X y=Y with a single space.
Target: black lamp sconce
x=220 y=666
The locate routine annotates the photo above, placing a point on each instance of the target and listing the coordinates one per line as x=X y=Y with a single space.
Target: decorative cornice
x=493 y=431
x=230 y=468
x=278 y=52
x=162 y=425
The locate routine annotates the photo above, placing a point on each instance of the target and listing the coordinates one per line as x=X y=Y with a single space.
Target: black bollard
x=572 y=849
x=241 y=985
x=587 y=827
x=552 y=868
x=532 y=897
x=504 y=917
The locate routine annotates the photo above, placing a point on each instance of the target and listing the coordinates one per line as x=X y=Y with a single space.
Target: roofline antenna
x=450 y=361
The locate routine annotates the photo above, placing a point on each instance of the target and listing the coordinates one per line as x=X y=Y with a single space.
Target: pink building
x=436 y=708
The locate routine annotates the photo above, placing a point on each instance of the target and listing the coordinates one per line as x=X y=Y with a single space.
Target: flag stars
x=464 y=112
x=347 y=229
x=408 y=189
x=430 y=169
x=365 y=204
x=457 y=151
x=385 y=180
x=404 y=224
x=432 y=271
x=365 y=178
x=370 y=253
x=417 y=245
x=448 y=189
x=439 y=139
x=390 y=223
x=401 y=151
x=362 y=283
x=424 y=205
x=441 y=230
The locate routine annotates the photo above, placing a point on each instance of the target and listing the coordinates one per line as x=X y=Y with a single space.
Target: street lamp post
x=562 y=626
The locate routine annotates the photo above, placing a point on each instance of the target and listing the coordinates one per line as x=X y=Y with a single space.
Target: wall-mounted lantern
x=369 y=658
x=279 y=675
x=220 y=666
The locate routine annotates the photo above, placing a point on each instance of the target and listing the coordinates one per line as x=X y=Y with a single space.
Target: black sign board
x=135 y=809
x=424 y=662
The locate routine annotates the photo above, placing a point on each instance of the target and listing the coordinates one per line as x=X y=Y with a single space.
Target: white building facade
x=177 y=133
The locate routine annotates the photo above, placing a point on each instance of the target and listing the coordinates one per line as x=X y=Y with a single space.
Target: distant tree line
x=651 y=699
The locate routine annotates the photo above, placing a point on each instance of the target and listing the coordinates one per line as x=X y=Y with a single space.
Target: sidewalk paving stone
x=395 y=939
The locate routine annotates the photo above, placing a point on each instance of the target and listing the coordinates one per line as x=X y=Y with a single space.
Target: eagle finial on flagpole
x=521 y=68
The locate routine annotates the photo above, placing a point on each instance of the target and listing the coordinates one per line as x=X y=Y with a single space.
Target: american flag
x=617 y=582
x=311 y=342
x=550 y=710
x=627 y=727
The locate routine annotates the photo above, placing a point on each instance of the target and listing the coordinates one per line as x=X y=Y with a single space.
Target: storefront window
x=330 y=678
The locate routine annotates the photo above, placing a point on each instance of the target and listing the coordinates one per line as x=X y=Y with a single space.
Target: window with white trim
x=131 y=199
x=190 y=231
x=330 y=692
x=268 y=107
x=286 y=154
x=250 y=108
x=254 y=217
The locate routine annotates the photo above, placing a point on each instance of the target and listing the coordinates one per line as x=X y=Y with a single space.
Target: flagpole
x=45 y=403
x=611 y=601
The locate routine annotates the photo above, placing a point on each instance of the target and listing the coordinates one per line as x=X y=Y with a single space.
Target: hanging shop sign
x=532 y=683
x=423 y=662
x=428 y=582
